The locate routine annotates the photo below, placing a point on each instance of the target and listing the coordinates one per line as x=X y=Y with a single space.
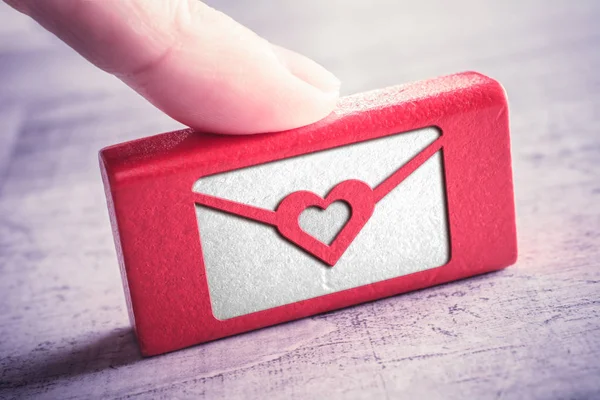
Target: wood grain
x=529 y=332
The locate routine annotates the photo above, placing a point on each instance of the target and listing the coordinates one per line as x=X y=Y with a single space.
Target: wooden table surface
x=531 y=331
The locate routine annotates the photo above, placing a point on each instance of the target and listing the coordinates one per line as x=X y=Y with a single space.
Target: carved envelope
x=395 y=222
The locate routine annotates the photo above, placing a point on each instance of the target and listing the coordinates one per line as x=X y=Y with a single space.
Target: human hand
x=193 y=62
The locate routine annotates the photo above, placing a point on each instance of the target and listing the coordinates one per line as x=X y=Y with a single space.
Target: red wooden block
x=166 y=231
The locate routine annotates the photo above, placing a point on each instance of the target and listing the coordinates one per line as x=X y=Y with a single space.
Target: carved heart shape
x=355 y=193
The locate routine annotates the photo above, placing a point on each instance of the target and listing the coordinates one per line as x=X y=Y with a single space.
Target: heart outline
x=357 y=194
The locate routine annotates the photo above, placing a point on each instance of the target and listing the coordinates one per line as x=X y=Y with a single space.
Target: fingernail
x=308 y=70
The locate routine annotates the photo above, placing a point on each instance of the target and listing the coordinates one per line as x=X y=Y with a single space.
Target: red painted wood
x=148 y=185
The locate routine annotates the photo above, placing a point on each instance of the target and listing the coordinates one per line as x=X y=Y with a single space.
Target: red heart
x=354 y=192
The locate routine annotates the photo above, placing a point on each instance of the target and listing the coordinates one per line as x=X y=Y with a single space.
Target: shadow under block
x=397 y=190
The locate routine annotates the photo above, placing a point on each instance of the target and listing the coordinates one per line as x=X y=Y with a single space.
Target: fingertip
x=308 y=70
x=239 y=84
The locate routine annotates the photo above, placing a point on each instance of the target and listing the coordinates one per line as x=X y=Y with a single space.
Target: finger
x=193 y=62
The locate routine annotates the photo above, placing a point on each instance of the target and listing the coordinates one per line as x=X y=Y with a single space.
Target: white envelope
x=250 y=267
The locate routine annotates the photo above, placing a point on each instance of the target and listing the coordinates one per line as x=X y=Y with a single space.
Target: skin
x=194 y=63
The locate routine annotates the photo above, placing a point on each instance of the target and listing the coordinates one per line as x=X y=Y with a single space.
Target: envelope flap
x=267 y=184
